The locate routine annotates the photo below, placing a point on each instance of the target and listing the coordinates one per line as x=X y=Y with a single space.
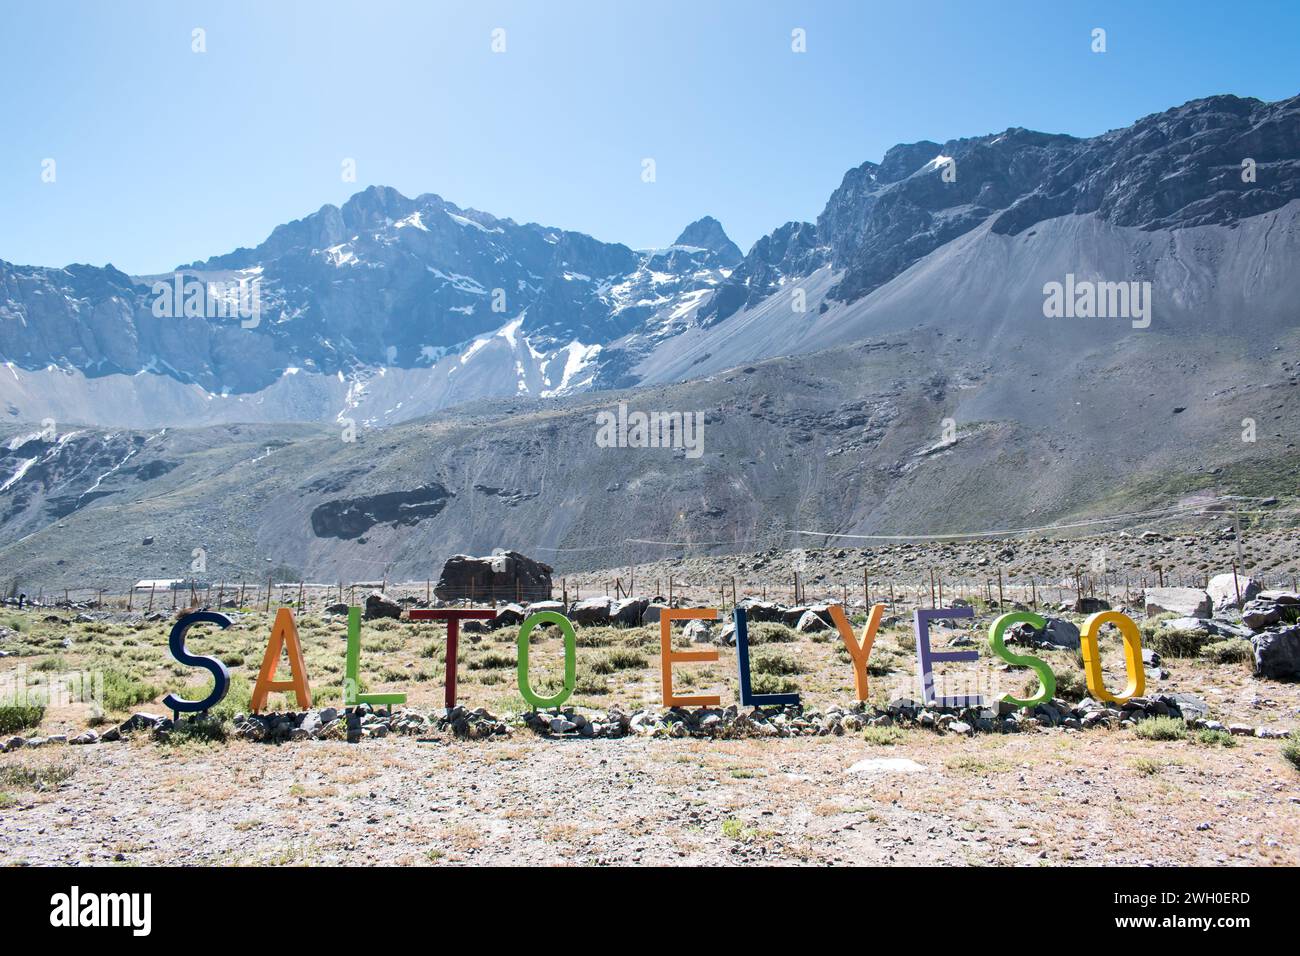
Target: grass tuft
x=16 y=717
x=1162 y=728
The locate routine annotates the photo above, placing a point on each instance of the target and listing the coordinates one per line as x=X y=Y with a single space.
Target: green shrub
x=16 y=717
x=47 y=777
x=1071 y=685
x=771 y=632
x=1171 y=643
x=237 y=699
x=1162 y=728
x=882 y=736
x=1291 y=750
x=626 y=660
x=1235 y=650
x=591 y=636
x=1216 y=738
x=492 y=661
x=775 y=663
x=771 y=684
x=122 y=691
x=733 y=829
x=588 y=682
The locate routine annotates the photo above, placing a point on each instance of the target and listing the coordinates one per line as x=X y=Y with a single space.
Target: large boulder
x=628 y=611
x=1185 y=602
x=1280 y=597
x=590 y=611
x=508 y=615
x=379 y=604
x=1193 y=625
x=811 y=623
x=504 y=576
x=699 y=632
x=1058 y=632
x=791 y=616
x=1277 y=653
x=538 y=606
x=1260 y=614
x=1225 y=588
x=1088 y=605
x=756 y=610
x=652 y=611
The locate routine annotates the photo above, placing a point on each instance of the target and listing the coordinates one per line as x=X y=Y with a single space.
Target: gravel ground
x=1055 y=797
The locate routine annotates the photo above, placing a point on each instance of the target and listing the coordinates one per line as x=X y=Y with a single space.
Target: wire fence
x=933 y=587
x=930 y=586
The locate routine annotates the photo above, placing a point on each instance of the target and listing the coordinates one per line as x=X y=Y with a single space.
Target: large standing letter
x=1040 y=667
x=668 y=657
x=284 y=635
x=453 y=616
x=1091 y=650
x=220 y=675
x=570 y=658
x=926 y=658
x=859 y=652
x=351 y=698
x=747 y=696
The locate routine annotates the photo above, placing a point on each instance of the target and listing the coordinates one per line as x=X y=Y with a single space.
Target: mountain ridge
x=387 y=282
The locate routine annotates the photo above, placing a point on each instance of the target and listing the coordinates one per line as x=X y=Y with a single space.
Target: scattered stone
x=379 y=605
x=141 y=721
x=885 y=765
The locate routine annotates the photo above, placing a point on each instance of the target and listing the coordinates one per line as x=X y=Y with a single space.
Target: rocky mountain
x=389 y=308
x=845 y=441
x=892 y=367
x=458 y=304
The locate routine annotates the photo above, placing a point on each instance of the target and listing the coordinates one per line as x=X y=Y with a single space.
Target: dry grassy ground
x=1101 y=796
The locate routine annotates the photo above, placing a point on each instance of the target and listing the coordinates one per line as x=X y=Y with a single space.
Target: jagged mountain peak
x=707 y=233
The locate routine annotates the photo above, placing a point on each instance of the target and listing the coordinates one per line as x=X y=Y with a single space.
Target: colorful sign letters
x=284 y=639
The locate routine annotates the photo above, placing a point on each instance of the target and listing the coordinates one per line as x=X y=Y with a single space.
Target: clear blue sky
x=165 y=156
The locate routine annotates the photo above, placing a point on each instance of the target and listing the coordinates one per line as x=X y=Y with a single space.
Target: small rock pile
x=795 y=721
x=362 y=723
